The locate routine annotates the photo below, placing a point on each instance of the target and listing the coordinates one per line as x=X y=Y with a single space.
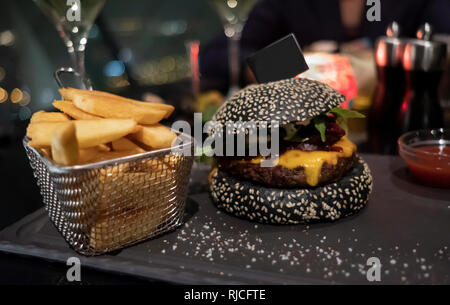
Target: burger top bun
x=284 y=101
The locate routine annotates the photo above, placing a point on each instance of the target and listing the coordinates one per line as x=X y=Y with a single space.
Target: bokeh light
x=16 y=95
x=24 y=113
x=232 y=3
x=7 y=38
x=114 y=68
x=26 y=99
x=3 y=95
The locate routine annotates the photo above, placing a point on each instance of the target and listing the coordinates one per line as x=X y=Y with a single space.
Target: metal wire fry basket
x=105 y=206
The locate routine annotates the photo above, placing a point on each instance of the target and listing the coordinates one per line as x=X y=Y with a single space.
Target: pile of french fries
x=96 y=126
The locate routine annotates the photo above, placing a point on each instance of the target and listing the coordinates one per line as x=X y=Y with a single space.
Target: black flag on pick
x=279 y=60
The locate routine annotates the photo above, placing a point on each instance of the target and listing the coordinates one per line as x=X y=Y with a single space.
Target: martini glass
x=73 y=20
x=234 y=14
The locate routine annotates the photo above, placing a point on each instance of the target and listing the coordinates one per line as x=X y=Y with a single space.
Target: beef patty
x=282 y=177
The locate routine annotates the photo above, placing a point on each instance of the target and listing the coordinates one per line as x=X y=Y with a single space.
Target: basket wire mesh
x=105 y=206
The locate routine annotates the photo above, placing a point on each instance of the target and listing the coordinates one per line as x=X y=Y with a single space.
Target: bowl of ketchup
x=427 y=155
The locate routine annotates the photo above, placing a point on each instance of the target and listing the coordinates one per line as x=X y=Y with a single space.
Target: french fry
x=116 y=108
x=89 y=133
x=47 y=152
x=93 y=154
x=156 y=136
x=103 y=147
x=71 y=110
x=65 y=145
x=149 y=105
x=124 y=144
x=109 y=108
x=71 y=94
x=87 y=154
x=42 y=116
x=42 y=132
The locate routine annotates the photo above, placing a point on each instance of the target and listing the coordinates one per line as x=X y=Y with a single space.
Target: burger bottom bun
x=293 y=206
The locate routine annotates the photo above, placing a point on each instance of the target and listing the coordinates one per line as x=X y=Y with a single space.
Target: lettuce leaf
x=320 y=125
x=341 y=115
x=346 y=114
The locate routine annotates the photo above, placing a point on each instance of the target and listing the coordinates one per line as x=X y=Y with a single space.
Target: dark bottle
x=421 y=108
x=388 y=94
x=424 y=62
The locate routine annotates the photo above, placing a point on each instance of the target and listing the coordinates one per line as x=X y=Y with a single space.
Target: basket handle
x=76 y=81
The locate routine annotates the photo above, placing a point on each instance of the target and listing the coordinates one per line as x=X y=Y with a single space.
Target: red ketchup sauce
x=431 y=169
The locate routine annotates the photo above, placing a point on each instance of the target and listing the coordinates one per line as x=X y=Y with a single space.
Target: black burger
x=318 y=175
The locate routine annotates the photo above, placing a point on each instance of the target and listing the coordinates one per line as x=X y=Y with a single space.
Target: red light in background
x=381 y=58
x=334 y=70
x=405 y=103
x=407 y=57
x=194 y=48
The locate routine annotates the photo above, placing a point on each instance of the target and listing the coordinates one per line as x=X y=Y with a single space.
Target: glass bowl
x=427 y=155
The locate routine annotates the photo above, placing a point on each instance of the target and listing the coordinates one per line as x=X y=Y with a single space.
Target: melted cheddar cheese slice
x=312 y=161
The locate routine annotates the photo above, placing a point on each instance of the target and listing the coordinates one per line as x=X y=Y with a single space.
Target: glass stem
x=234 y=62
x=77 y=54
x=78 y=63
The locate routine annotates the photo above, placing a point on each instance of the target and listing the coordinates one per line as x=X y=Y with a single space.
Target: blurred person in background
x=322 y=25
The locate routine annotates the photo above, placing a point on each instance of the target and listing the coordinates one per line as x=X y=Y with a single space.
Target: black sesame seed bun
x=293 y=206
x=284 y=101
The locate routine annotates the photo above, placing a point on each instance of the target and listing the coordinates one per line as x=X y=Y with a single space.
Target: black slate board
x=405 y=225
